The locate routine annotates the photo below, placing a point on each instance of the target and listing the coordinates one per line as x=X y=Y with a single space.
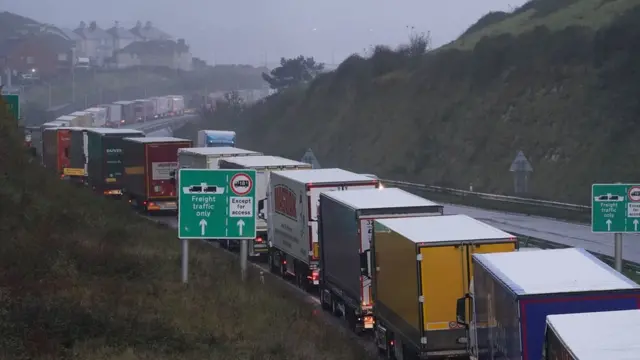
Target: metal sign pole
x=185 y=260
x=244 y=254
x=618 y=251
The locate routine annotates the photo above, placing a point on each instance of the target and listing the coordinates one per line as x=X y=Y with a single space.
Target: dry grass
x=82 y=278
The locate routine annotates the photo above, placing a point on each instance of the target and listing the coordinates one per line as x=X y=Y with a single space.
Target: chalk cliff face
x=568 y=96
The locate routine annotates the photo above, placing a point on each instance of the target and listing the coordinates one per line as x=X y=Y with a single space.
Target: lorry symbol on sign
x=203 y=188
x=241 y=184
x=608 y=197
x=634 y=194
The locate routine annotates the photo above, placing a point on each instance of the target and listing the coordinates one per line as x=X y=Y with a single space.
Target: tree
x=293 y=72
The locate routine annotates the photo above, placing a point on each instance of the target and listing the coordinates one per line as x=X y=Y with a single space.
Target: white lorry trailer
x=345 y=234
x=208 y=158
x=99 y=116
x=264 y=166
x=294 y=198
x=176 y=105
x=611 y=335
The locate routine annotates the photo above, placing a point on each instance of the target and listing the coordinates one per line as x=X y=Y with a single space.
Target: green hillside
x=557 y=82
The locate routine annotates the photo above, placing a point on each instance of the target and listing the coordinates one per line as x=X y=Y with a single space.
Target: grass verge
x=82 y=278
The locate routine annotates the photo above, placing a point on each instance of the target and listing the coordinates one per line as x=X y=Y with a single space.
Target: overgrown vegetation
x=562 y=86
x=81 y=278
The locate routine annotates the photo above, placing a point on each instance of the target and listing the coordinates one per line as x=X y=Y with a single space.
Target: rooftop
x=91 y=31
x=223 y=150
x=156 y=47
x=325 y=176
x=265 y=161
x=443 y=228
x=553 y=271
x=379 y=198
x=148 y=140
x=149 y=32
x=120 y=32
x=115 y=131
x=611 y=335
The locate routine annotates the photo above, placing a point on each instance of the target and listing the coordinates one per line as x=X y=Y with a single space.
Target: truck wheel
x=272 y=265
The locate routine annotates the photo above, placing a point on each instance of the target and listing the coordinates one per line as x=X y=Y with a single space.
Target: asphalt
x=557 y=231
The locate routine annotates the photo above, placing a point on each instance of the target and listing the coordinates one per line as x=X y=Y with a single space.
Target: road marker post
x=615 y=208
x=217 y=205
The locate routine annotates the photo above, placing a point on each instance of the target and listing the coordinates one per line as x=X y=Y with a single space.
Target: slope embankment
x=566 y=96
x=82 y=277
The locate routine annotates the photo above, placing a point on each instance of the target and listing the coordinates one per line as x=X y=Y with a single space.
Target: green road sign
x=216 y=204
x=615 y=208
x=13 y=102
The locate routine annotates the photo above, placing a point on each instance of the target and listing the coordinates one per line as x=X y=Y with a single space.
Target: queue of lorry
x=423 y=283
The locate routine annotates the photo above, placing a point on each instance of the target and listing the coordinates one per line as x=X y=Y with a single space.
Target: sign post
x=13 y=103
x=217 y=205
x=615 y=208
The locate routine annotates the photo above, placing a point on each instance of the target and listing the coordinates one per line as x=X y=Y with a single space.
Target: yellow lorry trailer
x=422 y=267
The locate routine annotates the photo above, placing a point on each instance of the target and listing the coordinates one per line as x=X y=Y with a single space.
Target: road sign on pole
x=13 y=103
x=615 y=208
x=216 y=204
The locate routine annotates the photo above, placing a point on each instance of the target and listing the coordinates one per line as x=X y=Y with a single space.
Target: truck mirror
x=461 y=310
x=364 y=264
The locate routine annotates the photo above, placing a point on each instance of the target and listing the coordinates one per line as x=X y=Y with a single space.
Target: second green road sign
x=13 y=103
x=615 y=208
x=216 y=204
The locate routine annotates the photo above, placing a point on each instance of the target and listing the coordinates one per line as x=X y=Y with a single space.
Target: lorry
x=78 y=157
x=144 y=109
x=344 y=235
x=513 y=293
x=148 y=167
x=81 y=119
x=99 y=116
x=422 y=266
x=114 y=114
x=176 y=105
x=127 y=112
x=294 y=198
x=161 y=106
x=209 y=158
x=215 y=138
x=106 y=159
x=55 y=149
x=610 y=335
x=264 y=166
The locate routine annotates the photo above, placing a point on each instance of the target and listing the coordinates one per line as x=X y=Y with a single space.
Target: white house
x=96 y=43
x=121 y=37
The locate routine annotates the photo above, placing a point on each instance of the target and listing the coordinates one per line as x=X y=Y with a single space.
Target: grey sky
x=248 y=31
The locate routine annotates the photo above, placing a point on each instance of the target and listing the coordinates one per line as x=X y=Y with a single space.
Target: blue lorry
x=512 y=293
x=216 y=138
x=606 y=335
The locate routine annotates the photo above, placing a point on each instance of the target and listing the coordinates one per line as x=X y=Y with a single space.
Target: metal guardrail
x=493 y=197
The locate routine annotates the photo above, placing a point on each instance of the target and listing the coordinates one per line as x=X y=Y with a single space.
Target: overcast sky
x=250 y=31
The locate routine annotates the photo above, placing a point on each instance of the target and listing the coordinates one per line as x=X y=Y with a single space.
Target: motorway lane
x=571 y=234
x=154 y=124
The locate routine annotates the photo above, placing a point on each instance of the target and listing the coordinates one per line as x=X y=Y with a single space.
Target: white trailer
x=264 y=166
x=161 y=106
x=611 y=335
x=99 y=116
x=114 y=113
x=176 y=105
x=293 y=218
x=208 y=158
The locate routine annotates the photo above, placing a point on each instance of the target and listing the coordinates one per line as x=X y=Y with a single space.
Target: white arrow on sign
x=203 y=225
x=240 y=226
x=608 y=224
x=635 y=224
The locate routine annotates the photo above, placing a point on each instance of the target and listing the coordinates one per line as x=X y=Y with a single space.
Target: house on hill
x=121 y=37
x=45 y=54
x=149 y=32
x=96 y=43
x=155 y=53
